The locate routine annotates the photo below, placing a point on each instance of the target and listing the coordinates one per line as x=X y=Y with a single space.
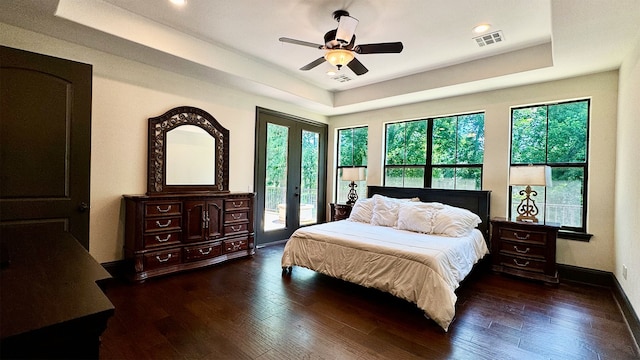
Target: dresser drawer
x=236 y=245
x=202 y=252
x=161 y=239
x=165 y=208
x=523 y=263
x=531 y=237
x=522 y=249
x=238 y=204
x=236 y=229
x=163 y=223
x=238 y=216
x=162 y=259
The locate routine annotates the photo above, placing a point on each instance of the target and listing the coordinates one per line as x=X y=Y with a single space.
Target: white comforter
x=423 y=269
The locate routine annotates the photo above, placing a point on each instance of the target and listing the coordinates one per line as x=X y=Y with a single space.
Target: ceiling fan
x=340 y=47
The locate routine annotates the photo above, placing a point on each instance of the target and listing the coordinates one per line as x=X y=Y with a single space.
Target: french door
x=290 y=177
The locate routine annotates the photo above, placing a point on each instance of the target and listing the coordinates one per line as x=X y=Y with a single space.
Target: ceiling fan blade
x=356 y=66
x=379 y=48
x=346 y=29
x=313 y=64
x=300 y=42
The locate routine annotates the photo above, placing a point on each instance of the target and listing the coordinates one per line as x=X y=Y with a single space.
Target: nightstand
x=340 y=211
x=525 y=249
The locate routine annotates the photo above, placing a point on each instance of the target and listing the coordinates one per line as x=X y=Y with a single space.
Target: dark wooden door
x=45 y=143
x=290 y=177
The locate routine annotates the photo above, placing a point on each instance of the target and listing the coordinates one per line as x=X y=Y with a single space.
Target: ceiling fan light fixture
x=338 y=57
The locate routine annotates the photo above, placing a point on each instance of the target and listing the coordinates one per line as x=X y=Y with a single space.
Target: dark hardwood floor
x=246 y=310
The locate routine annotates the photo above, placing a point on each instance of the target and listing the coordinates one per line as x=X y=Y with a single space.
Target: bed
x=418 y=245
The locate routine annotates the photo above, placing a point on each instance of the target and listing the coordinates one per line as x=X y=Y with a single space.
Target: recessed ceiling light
x=481 y=28
x=331 y=73
x=179 y=2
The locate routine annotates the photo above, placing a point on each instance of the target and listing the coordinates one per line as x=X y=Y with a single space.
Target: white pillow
x=417 y=216
x=385 y=210
x=362 y=211
x=454 y=222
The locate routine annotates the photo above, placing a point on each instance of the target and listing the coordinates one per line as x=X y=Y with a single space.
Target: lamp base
x=527 y=209
x=352 y=196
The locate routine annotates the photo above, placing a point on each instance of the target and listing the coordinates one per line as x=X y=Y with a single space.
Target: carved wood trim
x=185 y=115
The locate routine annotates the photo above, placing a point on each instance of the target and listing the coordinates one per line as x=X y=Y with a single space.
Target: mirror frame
x=156 y=155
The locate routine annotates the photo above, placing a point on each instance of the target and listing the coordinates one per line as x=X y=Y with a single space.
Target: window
x=445 y=152
x=352 y=152
x=555 y=135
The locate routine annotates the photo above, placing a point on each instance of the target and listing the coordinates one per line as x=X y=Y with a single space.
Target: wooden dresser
x=340 y=211
x=51 y=291
x=525 y=249
x=167 y=233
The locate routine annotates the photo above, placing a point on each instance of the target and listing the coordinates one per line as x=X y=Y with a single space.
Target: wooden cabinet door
x=194 y=220
x=215 y=215
x=203 y=220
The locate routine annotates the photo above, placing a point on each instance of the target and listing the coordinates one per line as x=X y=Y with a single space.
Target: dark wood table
x=52 y=305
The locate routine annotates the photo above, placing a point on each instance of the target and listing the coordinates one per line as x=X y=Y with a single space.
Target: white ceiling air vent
x=488 y=39
x=341 y=78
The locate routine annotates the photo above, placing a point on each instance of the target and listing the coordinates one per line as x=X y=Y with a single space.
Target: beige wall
x=125 y=95
x=601 y=88
x=627 y=220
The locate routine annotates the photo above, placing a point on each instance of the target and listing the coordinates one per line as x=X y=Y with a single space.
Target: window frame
x=569 y=232
x=429 y=166
x=339 y=167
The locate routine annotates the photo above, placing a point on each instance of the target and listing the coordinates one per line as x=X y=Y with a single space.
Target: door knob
x=83 y=207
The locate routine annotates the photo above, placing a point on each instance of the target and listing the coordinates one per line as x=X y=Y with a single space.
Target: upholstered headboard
x=477 y=201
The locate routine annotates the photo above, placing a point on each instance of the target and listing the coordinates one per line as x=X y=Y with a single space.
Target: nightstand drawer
x=520 y=263
x=522 y=249
x=531 y=237
x=340 y=211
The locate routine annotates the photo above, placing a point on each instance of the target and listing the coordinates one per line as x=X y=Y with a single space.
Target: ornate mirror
x=188 y=151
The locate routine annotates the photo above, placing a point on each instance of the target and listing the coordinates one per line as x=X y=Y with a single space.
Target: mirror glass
x=190 y=156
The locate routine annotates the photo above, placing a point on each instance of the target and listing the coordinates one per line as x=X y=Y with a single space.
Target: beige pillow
x=454 y=222
x=385 y=210
x=417 y=216
x=362 y=211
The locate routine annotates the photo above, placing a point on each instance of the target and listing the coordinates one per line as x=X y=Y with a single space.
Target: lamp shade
x=339 y=57
x=538 y=175
x=353 y=174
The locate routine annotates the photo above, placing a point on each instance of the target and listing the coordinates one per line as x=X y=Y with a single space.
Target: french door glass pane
x=276 y=177
x=309 y=171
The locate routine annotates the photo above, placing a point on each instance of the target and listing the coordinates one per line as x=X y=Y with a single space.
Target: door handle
x=83 y=207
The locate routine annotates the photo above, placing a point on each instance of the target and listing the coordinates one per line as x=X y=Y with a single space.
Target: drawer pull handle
x=236 y=216
x=521 y=251
x=163 y=260
x=163 y=210
x=163 y=225
x=521 y=237
x=521 y=265
x=238 y=205
x=158 y=239
x=202 y=252
x=236 y=229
